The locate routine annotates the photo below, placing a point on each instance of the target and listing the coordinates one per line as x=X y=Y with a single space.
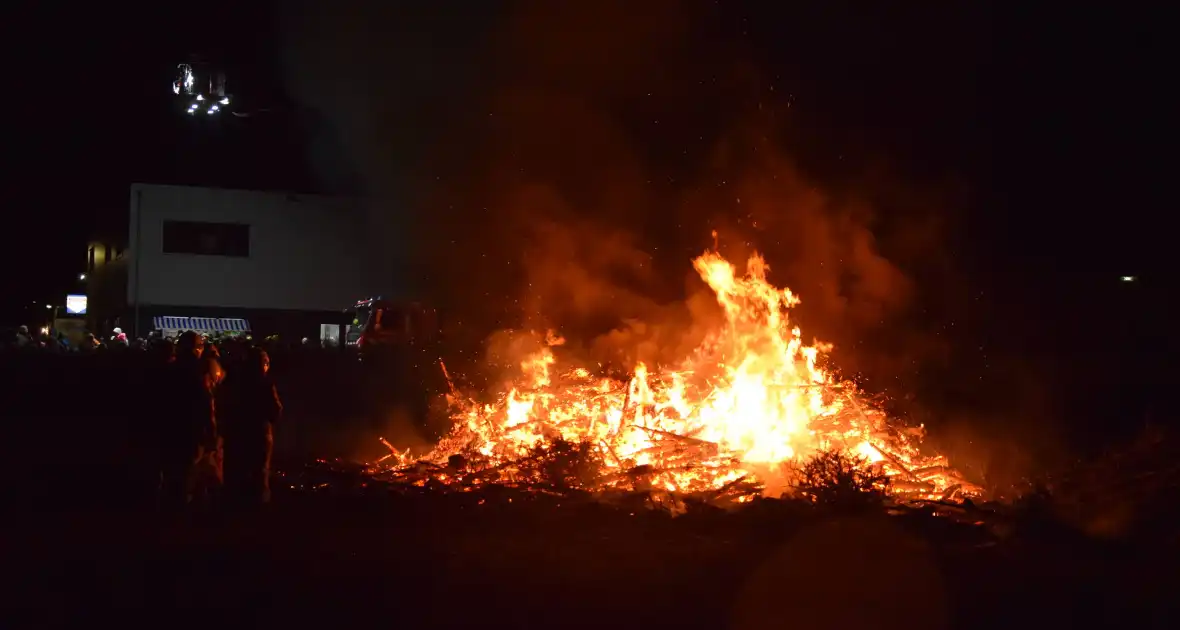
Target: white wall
x=306 y=252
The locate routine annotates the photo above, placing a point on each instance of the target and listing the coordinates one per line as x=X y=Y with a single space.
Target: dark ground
x=76 y=548
x=308 y=562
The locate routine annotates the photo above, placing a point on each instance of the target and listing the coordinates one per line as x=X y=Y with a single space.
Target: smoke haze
x=548 y=208
x=561 y=165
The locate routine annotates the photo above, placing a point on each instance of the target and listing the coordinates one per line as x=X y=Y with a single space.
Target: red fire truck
x=399 y=345
x=376 y=323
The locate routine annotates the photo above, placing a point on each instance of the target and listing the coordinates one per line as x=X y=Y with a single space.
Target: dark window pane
x=209 y=239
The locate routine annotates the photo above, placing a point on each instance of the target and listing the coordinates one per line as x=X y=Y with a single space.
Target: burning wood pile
x=733 y=421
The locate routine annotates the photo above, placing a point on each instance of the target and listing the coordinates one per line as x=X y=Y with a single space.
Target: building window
x=208 y=239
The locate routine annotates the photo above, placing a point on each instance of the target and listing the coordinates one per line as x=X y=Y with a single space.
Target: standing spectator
x=251 y=408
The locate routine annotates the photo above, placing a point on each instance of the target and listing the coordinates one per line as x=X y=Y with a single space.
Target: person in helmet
x=250 y=410
x=191 y=445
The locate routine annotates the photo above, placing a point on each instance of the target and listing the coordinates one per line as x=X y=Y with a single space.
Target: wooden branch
x=677 y=436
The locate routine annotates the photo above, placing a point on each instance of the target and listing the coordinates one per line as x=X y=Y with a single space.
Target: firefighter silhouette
x=191 y=446
x=251 y=408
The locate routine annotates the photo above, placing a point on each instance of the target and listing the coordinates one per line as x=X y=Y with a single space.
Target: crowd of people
x=202 y=425
x=191 y=419
x=220 y=442
x=56 y=341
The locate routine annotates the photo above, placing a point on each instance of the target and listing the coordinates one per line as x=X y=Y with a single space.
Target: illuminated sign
x=76 y=304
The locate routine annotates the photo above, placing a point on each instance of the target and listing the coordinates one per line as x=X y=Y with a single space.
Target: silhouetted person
x=190 y=444
x=23 y=338
x=89 y=344
x=49 y=344
x=151 y=417
x=251 y=407
x=119 y=338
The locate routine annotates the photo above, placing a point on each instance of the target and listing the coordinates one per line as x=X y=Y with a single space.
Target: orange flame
x=751 y=400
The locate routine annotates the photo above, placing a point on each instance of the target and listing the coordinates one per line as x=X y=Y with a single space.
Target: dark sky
x=1013 y=159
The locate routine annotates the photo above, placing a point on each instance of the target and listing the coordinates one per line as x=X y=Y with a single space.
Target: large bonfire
x=736 y=418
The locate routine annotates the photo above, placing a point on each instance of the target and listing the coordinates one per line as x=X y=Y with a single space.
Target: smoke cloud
x=557 y=165
x=538 y=201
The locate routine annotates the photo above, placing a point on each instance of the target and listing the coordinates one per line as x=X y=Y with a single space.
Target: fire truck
x=399 y=346
x=376 y=324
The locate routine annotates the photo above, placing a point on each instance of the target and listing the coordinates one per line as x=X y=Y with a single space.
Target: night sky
x=1008 y=166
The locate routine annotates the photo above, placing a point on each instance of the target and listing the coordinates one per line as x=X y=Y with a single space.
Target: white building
x=275 y=262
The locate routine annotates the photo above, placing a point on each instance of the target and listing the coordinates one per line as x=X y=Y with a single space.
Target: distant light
x=48 y=306
x=215 y=108
x=211 y=111
x=1127 y=278
x=225 y=101
x=200 y=97
x=45 y=330
x=191 y=112
x=81 y=276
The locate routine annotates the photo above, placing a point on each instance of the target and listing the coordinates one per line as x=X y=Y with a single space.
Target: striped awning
x=202 y=324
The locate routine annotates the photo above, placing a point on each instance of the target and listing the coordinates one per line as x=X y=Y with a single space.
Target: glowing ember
x=747 y=406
